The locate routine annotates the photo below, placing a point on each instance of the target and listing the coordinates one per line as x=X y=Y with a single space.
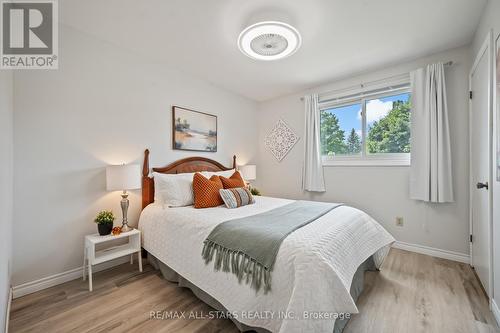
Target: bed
x=318 y=271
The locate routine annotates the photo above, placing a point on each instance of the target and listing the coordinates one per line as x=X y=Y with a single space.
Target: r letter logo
x=29 y=35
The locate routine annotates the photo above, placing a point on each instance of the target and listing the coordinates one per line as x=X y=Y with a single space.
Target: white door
x=480 y=165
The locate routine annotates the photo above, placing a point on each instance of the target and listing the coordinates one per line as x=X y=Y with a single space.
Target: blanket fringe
x=240 y=264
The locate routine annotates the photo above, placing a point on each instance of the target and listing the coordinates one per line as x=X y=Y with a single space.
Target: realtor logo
x=29 y=35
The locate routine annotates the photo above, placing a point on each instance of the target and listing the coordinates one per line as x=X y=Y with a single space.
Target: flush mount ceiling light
x=269 y=40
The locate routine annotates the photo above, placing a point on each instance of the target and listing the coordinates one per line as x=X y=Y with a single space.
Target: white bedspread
x=312 y=274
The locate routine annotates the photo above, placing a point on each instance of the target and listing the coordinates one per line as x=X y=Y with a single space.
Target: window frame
x=365 y=159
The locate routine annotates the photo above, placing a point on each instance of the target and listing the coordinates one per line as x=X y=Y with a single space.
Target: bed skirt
x=172 y=276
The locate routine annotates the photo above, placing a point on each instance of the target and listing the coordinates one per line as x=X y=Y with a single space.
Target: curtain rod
x=447 y=64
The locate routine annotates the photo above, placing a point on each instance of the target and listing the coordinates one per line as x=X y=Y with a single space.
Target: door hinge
x=470 y=94
x=470 y=238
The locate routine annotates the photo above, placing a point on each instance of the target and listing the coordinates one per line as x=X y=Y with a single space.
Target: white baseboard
x=495 y=310
x=434 y=252
x=53 y=280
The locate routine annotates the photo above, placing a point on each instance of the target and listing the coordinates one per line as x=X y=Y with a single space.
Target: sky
x=376 y=109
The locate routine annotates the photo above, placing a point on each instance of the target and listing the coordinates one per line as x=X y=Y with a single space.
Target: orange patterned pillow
x=206 y=191
x=234 y=181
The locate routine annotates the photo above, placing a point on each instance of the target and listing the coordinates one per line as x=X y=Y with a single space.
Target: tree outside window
x=387 y=127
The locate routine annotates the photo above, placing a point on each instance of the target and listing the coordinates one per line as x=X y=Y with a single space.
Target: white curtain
x=312 y=179
x=430 y=174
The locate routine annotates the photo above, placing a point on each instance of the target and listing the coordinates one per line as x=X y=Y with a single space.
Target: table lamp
x=248 y=172
x=123 y=178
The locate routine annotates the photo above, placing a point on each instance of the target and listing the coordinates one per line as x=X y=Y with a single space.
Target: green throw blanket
x=248 y=246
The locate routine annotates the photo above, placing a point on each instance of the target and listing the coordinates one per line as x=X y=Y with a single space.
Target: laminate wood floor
x=412 y=293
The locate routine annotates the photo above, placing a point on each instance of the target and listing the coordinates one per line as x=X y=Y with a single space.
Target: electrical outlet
x=399 y=221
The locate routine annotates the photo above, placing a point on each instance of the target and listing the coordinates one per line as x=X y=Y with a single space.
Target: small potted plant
x=254 y=191
x=104 y=222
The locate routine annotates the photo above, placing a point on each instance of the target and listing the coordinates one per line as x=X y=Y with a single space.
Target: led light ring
x=269 y=27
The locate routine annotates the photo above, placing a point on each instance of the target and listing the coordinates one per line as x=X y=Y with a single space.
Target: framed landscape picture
x=193 y=130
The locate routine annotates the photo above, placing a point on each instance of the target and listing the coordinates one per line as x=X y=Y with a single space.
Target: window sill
x=394 y=160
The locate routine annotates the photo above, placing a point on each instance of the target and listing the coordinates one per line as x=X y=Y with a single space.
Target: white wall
x=6 y=187
x=381 y=191
x=490 y=22
x=103 y=106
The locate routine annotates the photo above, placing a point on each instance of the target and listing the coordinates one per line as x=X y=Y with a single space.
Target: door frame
x=486 y=49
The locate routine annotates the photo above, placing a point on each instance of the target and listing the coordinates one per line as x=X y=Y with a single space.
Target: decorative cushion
x=206 y=191
x=237 y=197
x=234 y=181
x=174 y=190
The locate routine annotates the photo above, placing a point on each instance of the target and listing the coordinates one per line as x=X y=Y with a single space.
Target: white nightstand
x=93 y=257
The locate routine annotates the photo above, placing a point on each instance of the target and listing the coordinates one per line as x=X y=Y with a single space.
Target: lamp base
x=126 y=228
x=124 y=204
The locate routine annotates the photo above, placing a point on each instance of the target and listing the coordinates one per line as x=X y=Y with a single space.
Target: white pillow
x=174 y=190
x=225 y=174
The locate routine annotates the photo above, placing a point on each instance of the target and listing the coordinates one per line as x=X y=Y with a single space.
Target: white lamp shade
x=249 y=172
x=123 y=177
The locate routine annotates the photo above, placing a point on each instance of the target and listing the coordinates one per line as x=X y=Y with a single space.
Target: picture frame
x=193 y=130
x=497 y=104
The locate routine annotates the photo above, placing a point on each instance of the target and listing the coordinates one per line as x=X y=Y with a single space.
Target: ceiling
x=338 y=37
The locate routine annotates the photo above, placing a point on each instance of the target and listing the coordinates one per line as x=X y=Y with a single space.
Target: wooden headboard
x=185 y=165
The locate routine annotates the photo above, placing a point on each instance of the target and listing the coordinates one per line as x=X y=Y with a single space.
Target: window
x=373 y=129
x=341 y=130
